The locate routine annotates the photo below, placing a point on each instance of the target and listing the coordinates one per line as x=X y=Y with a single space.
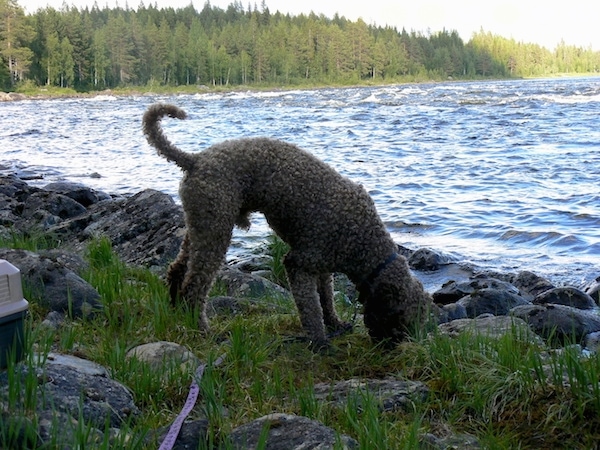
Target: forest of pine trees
x=96 y=49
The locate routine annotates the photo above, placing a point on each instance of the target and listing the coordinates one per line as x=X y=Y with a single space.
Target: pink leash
x=171 y=437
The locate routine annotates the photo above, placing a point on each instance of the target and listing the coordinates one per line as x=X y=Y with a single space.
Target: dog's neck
x=366 y=283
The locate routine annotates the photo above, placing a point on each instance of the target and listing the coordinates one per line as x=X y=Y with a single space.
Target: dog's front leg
x=330 y=317
x=304 y=290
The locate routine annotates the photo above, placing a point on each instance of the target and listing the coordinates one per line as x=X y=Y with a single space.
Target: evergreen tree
x=109 y=47
x=16 y=35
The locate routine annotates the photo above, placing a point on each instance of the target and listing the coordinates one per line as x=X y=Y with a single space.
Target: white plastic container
x=13 y=309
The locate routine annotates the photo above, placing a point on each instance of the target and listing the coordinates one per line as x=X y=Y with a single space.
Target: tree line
x=96 y=49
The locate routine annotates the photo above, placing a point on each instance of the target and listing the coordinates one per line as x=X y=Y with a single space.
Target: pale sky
x=537 y=21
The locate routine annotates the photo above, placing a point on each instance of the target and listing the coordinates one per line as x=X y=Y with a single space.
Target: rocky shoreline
x=16 y=97
x=146 y=230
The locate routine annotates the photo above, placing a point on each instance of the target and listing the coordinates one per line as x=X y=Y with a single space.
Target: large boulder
x=559 y=323
x=53 y=285
x=425 y=259
x=289 y=432
x=26 y=208
x=68 y=389
x=13 y=193
x=490 y=301
x=568 y=296
x=49 y=208
x=530 y=285
x=82 y=194
x=145 y=230
x=453 y=291
x=244 y=285
x=489 y=326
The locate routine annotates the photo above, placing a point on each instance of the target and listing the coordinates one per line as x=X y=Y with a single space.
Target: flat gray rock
x=289 y=432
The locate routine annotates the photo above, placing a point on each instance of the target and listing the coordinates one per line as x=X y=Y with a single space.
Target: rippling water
x=504 y=175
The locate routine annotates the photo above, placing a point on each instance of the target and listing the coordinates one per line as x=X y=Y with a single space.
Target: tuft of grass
x=277 y=250
x=32 y=241
x=508 y=391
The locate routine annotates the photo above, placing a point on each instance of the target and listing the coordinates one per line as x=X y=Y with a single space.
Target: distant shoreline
x=53 y=93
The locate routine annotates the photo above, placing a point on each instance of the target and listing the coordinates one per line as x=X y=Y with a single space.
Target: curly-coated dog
x=329 y=222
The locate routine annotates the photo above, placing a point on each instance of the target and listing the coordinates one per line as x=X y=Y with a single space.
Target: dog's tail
x=155 y=136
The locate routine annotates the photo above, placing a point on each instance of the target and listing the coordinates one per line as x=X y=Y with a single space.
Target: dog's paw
x=340 y=329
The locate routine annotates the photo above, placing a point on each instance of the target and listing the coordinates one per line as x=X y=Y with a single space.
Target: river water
x=501 y=174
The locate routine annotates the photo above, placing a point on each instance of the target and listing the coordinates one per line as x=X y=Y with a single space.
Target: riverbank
x=494 y=392
x=44 y=92
x=29 y=92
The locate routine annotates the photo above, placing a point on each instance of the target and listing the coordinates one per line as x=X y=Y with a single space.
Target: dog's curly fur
x=329 y=222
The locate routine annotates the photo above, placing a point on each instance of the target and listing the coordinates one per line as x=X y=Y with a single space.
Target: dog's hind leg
x=177 y=270
x=210 y=218
x=203 y=265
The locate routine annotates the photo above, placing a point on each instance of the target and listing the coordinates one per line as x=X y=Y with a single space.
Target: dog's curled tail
x=155 y=136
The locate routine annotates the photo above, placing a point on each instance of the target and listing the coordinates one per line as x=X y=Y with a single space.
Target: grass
x=508 y=392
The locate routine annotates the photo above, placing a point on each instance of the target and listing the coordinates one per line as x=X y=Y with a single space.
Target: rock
x=452 y=311
x=8 y=219
x=69 y=260
x=48 y=421
x=568 y=296
x=161 y=356
x=592 y=342
x=15 y=96
x=193 y=434
x=531 y=285
x=391 y=394
x=145 y=230
x=15 y=188
x=453 y=291
x=78 y=192
x=455 y=441
x=289 y=432
x=34 y=209
x=427 y=260
x=11 y=96
x=79 y=388
x=70 y=389
x=53 y=285
x=252 y=263
x=49 y=208
x=244 y=285
x=559 y=323
x=489 y=326
x=593 y=290
x=490 y=301
x=232 y=306
x=54 y=320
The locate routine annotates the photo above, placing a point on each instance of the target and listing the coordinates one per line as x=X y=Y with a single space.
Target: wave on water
x=103 y=98
x=502 y=174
